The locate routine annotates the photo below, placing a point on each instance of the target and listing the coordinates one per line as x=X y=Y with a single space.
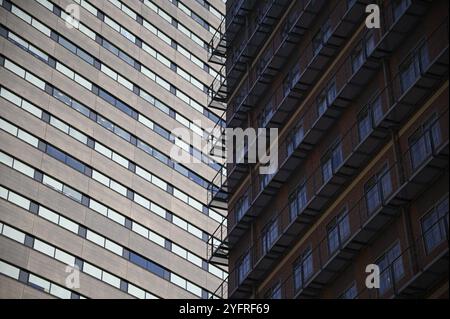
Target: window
x=424 y=140
x=326 y=98
x=244 y=267
x=297 y=201
x=338 y=231
x=357 y=57
x=296 y=137
x=266 y=114
x=331 y=162
x=435 y=225
x=377 y=189
x=13 y=234
x=369 y=118
x=322 y=36
x=400 y=7
x=349 y=293
x=303 y=269
x=241 y=207
x=391 y=267
x=411 y=69
x=270 y=235
x=274 y=292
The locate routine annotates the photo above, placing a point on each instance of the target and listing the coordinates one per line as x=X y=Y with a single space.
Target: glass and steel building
x=94 y=201
x=362 y=178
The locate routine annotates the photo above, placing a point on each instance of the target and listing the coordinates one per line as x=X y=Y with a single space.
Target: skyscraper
x=361 y=109
x=94 y=203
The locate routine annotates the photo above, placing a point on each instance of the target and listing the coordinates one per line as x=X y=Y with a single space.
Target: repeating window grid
x=121 y=106
x=62 y=256
x=165 y=38
x=116 y=77
x=173 y=22
x=111 y=155
x=100 y=208
x=146 y=47
x=160 y=81
x=38 y=282
x=192 y=14
x=391 y=267
x=101 y=178
x=211 y=9
x=100 y=240
x=434 y=225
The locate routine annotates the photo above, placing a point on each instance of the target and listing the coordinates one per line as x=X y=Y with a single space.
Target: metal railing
x=388 y=193
x=284 y=102
x=395 y=93
x=414 y=259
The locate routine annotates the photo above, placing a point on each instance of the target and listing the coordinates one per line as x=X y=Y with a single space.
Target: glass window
x=100 y=178
x=60 y=292
x=52 y=183
x=75 y=164
x=111 y=279
x=13 y=234
x=5 y=159
x=68 y=191
x=158 y=210
x=44 y=248
x=64 y=257
x=435 y=226
x=160 y=183
x=28 y=138
x=68 y=224
x=179 y=251
x=19 y=200
x=391 y=267
x=118 y=188
x=58 y=124
x=83 y=82
x=35 y=81
x=39 y=283
x=303 y=269
x=244 y=267
x=179 y=222
x=14 y=68
x=177 y=280
x=11 y=129
x=350 y=293
x=424 y=140
x=9 y=270
x=92 y=270
x=116 y=217
x=113 y=247
x=95 y=238
x=338 y=231
x=156 y=239
x=23 y=168
x=270 y=235
x=68 y=45
x=65 y=70
x=140 y=230
x=297 y=202
x=98 y=207
x=13 y=98
x=49 y=215
x=135 y=291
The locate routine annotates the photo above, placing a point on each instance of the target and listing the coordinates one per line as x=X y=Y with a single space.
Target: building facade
x=94 y=201
x=362 y=178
